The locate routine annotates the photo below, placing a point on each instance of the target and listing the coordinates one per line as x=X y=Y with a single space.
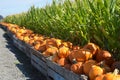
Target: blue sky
x=9 y=7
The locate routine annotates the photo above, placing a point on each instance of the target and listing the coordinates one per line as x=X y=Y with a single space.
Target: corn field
x=78 y=21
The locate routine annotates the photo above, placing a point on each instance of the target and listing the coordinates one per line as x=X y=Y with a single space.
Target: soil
x=14 y=64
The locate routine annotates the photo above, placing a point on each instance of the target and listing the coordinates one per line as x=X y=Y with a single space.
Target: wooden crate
x=3 y=27
x=38 y=54
x=19 y=44
x=38 y=65
x=28 y=49
x=39 y=61
x=53 y=75
x=9 y=33
x=66 y=74
x=48 y=68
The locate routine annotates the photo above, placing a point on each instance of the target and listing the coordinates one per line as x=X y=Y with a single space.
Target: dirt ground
x=15 y=65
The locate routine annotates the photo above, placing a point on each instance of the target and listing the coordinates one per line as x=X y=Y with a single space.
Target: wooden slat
x=9 y=33
x=39 y=61
x=40 y=68
x=68 y=75
x=38 y=54
x=55 y=76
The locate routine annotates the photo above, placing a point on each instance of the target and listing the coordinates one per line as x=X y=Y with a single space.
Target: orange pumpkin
x=104 y=66
x=51 y=42
x=95 y=71
x=40 y=38
x=58 y=42
x=66 y=44
x=42 y=47
x=50 y=51
x=80 y=55
x=112 y=76
x=62 y=61
x=26 y=39
x=104 y=55
x=109 y=61
x=55 y=58
x=35 y=36
x=76 y=47
x=63 y=52
x=37 y=45
x=22 y=31
x=87 y=66
x=92 y=47
x=77 y=68
x=14 y=29
x=29 y=31
x=100 y=77
x=31 y=41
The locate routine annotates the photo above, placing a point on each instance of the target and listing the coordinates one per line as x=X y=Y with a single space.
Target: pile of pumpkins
x=91 y=60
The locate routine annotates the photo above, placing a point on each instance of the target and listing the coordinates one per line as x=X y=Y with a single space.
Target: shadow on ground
x=23 y=62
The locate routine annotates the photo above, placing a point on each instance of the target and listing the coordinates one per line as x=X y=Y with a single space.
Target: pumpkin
x=22 y=30
x=14 y=29
x=29 y=31
x=55 y=58
x=104 y=55
x=19 y=36
x=31 y=41
x=37 y=45
x=112 y=76
x=100 y=77
x=70 y=45
x=76 y=47
x=35 y=36
x=40 y=38
x=92 y=47
x=50 y=51
x=71 y=57
x=109 y=61
x=95 y=71
x=26 y=39
x=80 y=55
x=51 y=42
x=42 y=47
x=58 y=42
x=77 y=68
x=104 y=66
x=87 y=66
x=63 y=52
x=66 y=44
x=62 y=62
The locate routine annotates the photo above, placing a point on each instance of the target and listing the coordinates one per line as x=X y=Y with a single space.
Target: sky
x=9 y=7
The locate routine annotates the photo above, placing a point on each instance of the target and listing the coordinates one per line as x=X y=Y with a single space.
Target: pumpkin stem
x=102 y=64
x=116 y=71
x=74 y=61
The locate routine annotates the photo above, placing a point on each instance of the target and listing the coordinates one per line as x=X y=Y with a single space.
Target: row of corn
x=77 y=21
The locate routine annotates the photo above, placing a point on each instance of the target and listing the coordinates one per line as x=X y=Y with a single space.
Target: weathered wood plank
x=39 y=61
x=39 y=67
x=68 y=75
x=55 y=76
